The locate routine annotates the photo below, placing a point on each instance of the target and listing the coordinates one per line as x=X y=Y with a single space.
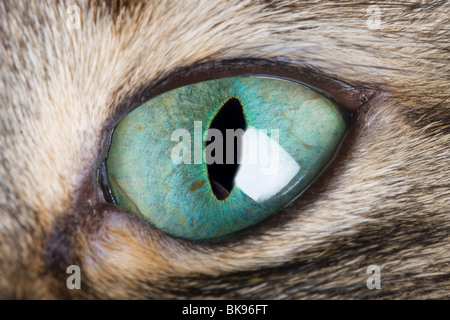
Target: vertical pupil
x=221 y=176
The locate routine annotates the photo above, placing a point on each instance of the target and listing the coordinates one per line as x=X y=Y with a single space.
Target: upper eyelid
x=348 y=96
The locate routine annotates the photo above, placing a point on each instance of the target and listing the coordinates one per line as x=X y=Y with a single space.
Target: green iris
x=159 y=162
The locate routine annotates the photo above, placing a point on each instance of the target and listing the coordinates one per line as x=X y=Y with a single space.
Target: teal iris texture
x=177 y=198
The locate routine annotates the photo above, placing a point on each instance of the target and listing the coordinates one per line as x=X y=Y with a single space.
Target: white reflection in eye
x=265 y=168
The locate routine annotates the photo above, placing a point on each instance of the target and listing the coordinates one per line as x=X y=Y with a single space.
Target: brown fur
x=384 y=201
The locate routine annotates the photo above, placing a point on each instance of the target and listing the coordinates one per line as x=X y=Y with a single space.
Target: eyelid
x=349 y=97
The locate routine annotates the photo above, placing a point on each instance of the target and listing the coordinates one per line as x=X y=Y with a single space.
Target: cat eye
x=208 y=159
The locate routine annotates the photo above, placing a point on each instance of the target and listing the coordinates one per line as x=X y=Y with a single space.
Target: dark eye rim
x=349 y=98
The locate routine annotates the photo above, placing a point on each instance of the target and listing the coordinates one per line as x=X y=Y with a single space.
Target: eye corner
x=103 y=183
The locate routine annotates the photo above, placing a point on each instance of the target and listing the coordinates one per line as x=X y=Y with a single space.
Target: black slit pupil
x=221 y=176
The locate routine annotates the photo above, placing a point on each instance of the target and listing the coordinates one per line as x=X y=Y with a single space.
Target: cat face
x=69 y=74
